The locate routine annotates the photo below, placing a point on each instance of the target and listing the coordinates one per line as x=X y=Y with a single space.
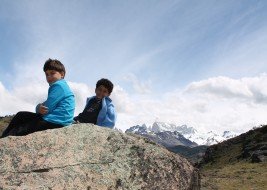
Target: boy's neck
x=54 y=82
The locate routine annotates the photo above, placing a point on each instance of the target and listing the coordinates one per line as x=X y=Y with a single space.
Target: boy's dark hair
x=106 y=83
x=54 y=64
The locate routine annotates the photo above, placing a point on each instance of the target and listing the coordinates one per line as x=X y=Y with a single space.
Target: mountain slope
x=250 y=147
x=238 y=163
x=193 y=154
x=165 y=138
x=169 y=139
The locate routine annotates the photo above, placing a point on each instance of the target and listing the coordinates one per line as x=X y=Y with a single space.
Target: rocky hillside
x=238 y=163
x=193 y=154
x=250 y=146
x=85 y=156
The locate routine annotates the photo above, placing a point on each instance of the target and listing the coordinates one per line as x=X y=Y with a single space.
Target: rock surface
x=85 y=156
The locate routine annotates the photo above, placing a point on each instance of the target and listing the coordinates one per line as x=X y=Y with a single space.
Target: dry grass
x=240 y=175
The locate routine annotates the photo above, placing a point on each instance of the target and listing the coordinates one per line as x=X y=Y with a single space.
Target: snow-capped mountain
x=165 y=138
x=209 y=138
x=161 y=126
x=138 y=129
x=189 y=133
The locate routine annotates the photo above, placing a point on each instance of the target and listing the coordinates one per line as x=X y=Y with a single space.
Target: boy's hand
x=43 y=109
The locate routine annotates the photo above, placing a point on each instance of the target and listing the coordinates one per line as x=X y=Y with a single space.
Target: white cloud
x=10 y=103
x=251 y=90
x=122 y=100
x=221 y=86
x=81 y=92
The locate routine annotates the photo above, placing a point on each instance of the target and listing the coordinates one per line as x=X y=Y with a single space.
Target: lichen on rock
x=85 y=156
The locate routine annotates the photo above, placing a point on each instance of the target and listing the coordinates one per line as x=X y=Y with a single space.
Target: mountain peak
x=162 y=126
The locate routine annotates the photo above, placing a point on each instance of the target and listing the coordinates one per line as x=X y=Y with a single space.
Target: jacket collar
x=105 y=98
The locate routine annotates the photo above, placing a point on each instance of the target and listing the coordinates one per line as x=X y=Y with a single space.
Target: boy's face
x=101 y=92
x=52 y=76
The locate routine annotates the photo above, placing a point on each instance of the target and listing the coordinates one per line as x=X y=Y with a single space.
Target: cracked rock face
x=85 y=156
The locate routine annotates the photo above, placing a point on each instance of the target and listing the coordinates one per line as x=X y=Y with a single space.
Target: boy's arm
x=55 y=95
x=110 y=118
x=37 y=108
x=76 y=119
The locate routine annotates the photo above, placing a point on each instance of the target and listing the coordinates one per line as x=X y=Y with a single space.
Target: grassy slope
x=228 y=169
x=240 y=175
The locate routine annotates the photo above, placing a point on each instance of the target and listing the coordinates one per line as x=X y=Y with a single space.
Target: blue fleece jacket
x=60 y=103
x=107 y=114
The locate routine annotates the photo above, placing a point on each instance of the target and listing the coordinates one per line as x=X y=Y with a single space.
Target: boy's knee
x=22 y=113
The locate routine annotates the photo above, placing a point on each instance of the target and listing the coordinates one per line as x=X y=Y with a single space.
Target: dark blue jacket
x=107 y=114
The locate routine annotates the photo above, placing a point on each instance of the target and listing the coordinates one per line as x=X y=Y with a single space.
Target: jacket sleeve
x=87 y=101
x=37 y=107
x=55 y=95
x=110 y=118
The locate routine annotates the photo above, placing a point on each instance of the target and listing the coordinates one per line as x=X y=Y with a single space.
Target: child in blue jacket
x=57 y=111
x=99 y=109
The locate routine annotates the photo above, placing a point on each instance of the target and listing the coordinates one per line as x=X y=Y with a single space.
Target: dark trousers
x=24 y=123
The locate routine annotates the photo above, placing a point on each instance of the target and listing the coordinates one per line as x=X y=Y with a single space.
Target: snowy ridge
x=189 y=133
x=161 y=126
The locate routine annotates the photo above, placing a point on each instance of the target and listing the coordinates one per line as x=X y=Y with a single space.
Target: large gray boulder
x=85 y=156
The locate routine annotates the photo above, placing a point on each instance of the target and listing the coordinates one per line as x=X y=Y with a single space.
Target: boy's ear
x=62 y=74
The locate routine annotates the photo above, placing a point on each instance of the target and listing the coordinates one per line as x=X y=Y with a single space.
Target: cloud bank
x=218 y=104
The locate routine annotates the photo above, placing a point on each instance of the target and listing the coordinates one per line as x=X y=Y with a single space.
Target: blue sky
x=149 y=49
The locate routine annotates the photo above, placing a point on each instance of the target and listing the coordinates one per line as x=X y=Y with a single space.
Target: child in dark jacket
x=57 y=111
x=99 y=109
